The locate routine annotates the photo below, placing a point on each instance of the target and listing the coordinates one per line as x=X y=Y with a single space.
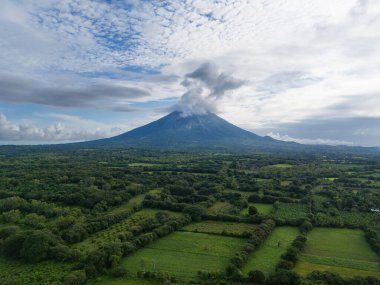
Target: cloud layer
x=268 y=66
x=10 y=131
x=205 y=86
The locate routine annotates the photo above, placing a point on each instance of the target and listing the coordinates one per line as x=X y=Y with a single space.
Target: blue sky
x=304 y=71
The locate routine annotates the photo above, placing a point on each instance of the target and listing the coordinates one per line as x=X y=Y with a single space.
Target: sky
x=304 y=71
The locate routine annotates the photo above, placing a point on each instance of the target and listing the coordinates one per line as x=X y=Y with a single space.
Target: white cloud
x=10 y=131
x=317 y=141
x=302 y=59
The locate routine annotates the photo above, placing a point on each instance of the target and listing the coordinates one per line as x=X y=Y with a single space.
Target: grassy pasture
x=142 y=164
x=344 y=251
x=280 y=165
x=263 y=209
x=220 y=208
x=216 y=227
x=132 y=204
x=268 y=255
x=289 y=211
x=111 y=233
x=107 y=280
x=182 y=254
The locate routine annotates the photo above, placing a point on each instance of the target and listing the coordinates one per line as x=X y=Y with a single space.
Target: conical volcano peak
x=179 y=129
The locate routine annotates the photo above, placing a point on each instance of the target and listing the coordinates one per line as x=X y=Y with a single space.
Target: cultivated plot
x=215 y=227
x=263 y=209
x=268 y=255
x=111 y=234
x=183 y=254
x=344 y=251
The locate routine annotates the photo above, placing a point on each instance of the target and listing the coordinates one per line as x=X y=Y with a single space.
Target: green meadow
x=263 y=209
x=215 y=227
x=268 y=255
x=344 y=251
x=183 y=254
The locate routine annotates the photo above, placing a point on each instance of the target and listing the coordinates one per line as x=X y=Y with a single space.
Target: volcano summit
x=177 y=130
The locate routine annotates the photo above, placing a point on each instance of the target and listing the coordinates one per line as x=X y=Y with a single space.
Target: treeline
x=232 y=272
x=107 y=258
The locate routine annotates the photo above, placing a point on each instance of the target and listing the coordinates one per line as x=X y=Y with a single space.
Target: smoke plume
x=205 y=87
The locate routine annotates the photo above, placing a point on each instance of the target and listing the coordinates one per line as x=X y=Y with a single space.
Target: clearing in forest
x=263 y=209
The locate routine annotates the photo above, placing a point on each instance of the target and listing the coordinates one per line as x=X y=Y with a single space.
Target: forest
x=133 y=216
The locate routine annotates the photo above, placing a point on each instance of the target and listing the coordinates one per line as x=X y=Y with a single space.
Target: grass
x=107 y=280
x=344 y=251
x=110 y=234
x=263 y=209
x=220 y=208
x=20 y=273
x=183 y=254
x=215 y=227
x=268 y=255
x=133 y=203
x=291 y=211
x=330 y=178
x=142 y=164
x=281 y=165
x=285 y=183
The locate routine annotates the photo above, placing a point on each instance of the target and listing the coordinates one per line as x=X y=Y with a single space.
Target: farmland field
x=111 y=233
x=102 y=217
x=291 y=211
x=107 y=280
x=280 y=165
x=132 y=203
x=344 y=251
x=182 y=254
x=268 y=255
x=220 y=208
x=214 y=227
x=263 y=209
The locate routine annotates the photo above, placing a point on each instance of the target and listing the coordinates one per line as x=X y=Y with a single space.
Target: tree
x=194 y=211
x=37 y=245
x=283 y=277
x=306 y=226
x=252 y=210
x=256 y=276
x=13 y=244
x=77 y=277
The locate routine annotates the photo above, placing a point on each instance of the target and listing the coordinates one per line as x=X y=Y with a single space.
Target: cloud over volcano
x=205 y=86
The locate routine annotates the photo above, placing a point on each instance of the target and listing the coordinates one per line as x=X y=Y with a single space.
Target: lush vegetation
x=223 y=228
x=268 y=256
x=127 y=216
x=344 y=250
x=183 y=254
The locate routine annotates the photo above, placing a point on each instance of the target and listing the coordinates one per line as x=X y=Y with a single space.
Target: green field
x=291 y=211
x=215 y=227
x=268 y=255
x=263 y=209
x=111 y=233
x=133 y=203
x=280 y=165
x=344 y=251
x=107 y=280
x=182 y=254
x=220 y=208
x=43 y=273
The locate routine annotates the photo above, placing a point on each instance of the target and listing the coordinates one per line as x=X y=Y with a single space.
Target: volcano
x=177 y=130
